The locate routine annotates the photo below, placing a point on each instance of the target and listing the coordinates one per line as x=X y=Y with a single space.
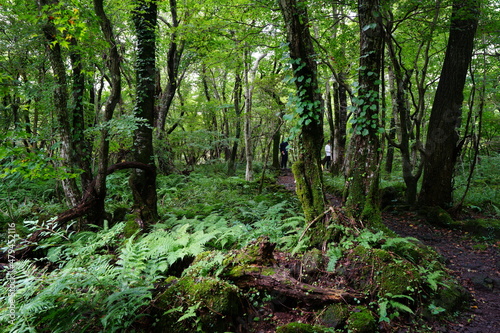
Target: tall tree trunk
x=174 y=54
x=98 y=212
x=399 y=83
x=249 y=87
x=363 y=184
x=329 y=118
x=231 y=166
x=442 y=145
x=307 y=170
x=143 y=183
x=340 y=125
x=61 y=97
x=81 y=145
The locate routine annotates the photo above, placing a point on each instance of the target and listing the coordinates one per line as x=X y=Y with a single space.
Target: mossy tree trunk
x=307 y=170
x=143 y=183
x=363 y=178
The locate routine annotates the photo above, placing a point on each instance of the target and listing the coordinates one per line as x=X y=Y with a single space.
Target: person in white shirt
x=328 y=153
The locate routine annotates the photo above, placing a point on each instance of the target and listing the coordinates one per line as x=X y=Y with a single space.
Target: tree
x=307 y=170
x=143 y=182
x=249 y=78
x=443 y=143
x=70 y=123
x=98 y=212
x=362 y=199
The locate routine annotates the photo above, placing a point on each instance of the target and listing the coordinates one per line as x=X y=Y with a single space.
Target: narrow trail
x=475 y=264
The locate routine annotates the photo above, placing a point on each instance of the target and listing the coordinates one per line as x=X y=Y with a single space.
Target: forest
x=143 y=186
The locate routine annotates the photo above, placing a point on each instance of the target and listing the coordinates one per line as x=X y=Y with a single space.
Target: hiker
x=328 y=157
x=284 y=154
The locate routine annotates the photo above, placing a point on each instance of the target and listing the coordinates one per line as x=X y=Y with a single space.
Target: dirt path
x=475 y=264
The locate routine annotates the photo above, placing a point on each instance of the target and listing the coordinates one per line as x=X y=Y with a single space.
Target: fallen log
x=255 y=267
x=279 y=281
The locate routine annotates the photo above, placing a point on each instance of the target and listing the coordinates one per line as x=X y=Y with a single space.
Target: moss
x=437 y=216
x=312 y=261
x=299 y=328
x=361 y=320
x=131 y=226
x=413 y=250
x=380 y=272
x=335 y=316
x=215 y=305
x=309 y=189
x=451 y=296
x=487 y=228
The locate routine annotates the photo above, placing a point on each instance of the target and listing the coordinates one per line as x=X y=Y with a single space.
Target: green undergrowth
x=100 y=280
x=403 y=280
x=107 y=281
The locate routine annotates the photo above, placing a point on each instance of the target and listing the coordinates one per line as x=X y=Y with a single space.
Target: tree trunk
x=307 y=170
x=249 y=87
x=340 y=125
x=399 y=82
x=363 y=184
x=70 y=187
x=143 y=183
x=231 y=166
x=81 y=145
x=442 y=148
x=164 y=156
x=98 y=213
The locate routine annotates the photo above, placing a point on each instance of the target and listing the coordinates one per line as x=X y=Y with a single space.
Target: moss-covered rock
x=334 y=316
x=190 y=303
x=449 y=296
x=361 y=320
x=256 y=257
x=413 y=250
x=312 y=262
x=379 y=271
x=131 y=226
x=299 y=328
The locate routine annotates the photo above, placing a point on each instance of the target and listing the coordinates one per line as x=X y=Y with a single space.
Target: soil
x=473 y=261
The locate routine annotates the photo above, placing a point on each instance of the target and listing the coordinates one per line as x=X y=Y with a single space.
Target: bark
x=231 y=167
x=98 y=213
x=249 y=87
x=143 y=183
x=60 y=99
x=174 y=54
x=362 y=200
x=81 y=146
x=442 y=146
x=255 y=267
x=307 y=169
x=340 y=125
x=283 y=284
x=330 y=120
x=400 y=82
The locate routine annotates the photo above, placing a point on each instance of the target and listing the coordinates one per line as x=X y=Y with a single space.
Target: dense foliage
x=139 y=147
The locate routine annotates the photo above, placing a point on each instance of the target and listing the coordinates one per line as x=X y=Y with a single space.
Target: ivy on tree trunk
x=143 y=183
x=307 y=170
x=363 y=181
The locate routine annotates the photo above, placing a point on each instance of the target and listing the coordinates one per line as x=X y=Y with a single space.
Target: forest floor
x=474 y=262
